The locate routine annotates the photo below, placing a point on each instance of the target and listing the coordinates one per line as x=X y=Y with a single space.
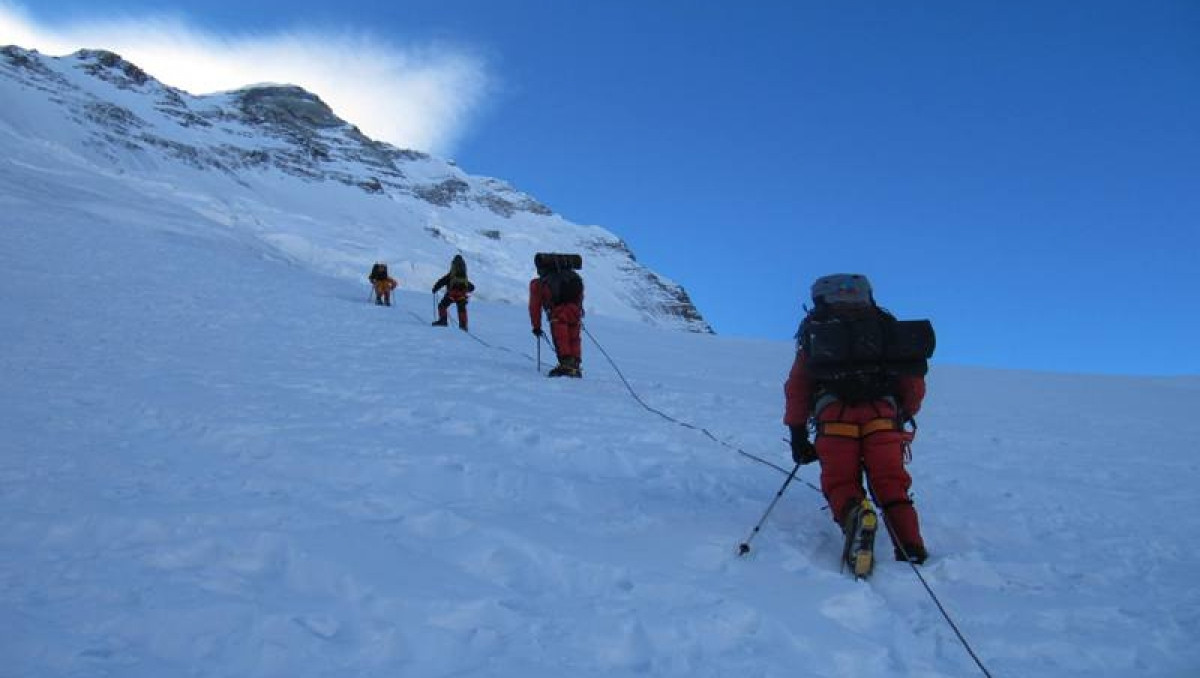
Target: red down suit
x=844 y=458
x=565 y=319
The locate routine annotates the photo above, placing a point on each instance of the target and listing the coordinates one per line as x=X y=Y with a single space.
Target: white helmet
x=843 y=289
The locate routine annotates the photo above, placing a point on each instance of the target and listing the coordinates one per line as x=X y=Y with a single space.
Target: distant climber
x=458 y=288
x=858 y=376
x=382 y=283
x=558 y=291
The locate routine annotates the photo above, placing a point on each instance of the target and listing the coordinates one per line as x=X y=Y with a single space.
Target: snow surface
x=221 y=461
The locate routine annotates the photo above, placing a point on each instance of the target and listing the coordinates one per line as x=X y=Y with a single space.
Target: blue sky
x=1025 y=174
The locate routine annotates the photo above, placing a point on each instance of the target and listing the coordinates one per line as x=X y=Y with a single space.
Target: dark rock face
x=27 y=68
x=531 y=205
x=17 y=57
x=112 y=68
x=444 y=193
x=287 y=105
x=679 y=304
x=114 y=117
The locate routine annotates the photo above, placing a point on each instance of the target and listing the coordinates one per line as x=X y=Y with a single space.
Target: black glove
x=537 y=331
x=803 y=451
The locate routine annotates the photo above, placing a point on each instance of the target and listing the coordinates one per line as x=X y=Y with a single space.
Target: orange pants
x=565 y=330
x=880 y=455
x=383 y=289
x=459 y=299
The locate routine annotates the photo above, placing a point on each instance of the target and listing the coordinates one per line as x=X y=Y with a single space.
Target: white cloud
x=415 y=97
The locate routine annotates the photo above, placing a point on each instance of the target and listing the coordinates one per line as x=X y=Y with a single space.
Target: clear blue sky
x=1024 y=173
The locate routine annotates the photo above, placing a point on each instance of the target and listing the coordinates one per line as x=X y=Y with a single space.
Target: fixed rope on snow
x=928 y=589
x=673 y=420
x=474 y=336
x=744 y=547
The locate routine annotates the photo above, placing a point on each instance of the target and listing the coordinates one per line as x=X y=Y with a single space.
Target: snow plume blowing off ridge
x=419 y=97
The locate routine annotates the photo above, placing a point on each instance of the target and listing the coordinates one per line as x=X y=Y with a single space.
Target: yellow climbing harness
x=856 y=431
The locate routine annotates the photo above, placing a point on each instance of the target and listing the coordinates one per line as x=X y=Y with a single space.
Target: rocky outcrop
x=286 y=106
x=112 y=68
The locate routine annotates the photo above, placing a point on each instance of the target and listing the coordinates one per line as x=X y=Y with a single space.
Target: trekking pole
x=538 y=341
x=744 y=547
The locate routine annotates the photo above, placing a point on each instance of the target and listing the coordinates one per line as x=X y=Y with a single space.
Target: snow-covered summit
x=273 y=161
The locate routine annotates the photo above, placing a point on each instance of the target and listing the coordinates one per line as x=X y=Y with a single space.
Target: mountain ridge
x=127 y=122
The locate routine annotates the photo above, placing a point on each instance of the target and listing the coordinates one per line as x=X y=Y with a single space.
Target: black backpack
x=545 y=262
x=457 y=278
x=557 y=270
x=859 y=356
x=566 y=287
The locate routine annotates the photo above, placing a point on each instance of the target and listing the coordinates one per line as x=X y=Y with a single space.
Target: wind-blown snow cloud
x=420 y=97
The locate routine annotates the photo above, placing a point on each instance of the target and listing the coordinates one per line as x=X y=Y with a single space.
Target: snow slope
x=219 y=460
x=275 y=166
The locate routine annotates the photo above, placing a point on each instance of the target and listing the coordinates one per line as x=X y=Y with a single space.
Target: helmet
x=843 y=289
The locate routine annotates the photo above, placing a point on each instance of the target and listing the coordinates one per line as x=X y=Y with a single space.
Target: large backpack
x=457 y=279
x=552 y=261
x=566 y=287
x=558 y=272
x=859 y=356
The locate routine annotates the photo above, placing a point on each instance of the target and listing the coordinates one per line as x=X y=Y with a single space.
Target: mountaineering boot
x=440 y=323
x=560 y=370
x=859 y=527
x=916 y=554
x=573 y=369
x=378 y=302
